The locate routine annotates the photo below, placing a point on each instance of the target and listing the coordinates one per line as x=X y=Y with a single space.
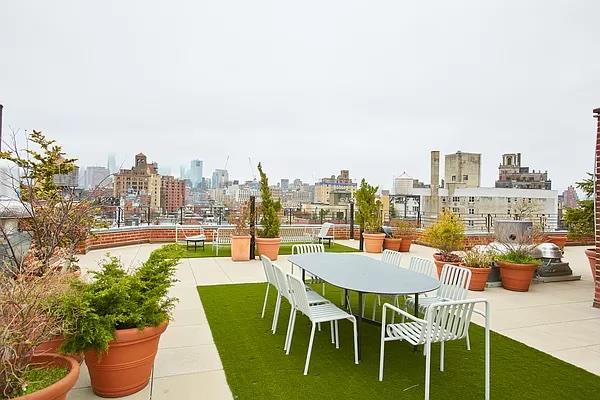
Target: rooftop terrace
x=555 y=318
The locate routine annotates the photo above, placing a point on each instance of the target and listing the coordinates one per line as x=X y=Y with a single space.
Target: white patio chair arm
x=401 y=312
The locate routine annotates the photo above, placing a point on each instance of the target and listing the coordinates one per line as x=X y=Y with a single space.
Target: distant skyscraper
x=570 y=197
x=182 y=172
x=220 y=177
x=195 y=174
x=285 y=184
x=96 y=176
x=112 y=163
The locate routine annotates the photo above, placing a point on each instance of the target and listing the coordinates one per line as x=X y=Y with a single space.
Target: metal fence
x=485 y=222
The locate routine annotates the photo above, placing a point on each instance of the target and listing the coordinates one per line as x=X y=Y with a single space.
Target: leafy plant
x=269 y=207
x=28 y=318
x=116 y=299
x=518 y=255
x=477 y=259
x=240 y=220
x=403 y=229
x=368 y=207
x=447 y=234
x=580 y=220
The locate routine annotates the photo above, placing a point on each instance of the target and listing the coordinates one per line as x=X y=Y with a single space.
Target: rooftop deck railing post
x=252 y=226
x=351 y=220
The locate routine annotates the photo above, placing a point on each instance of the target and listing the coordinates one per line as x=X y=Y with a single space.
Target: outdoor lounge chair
x=322 y=235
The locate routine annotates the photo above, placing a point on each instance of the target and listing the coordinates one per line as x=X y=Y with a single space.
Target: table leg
x=416 y=314
x=358 y=325
x=303 y=275
x=345 y=299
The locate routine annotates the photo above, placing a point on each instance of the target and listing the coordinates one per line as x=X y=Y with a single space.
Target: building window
x=443 y=199
x=529 y=200
x=508 y=212
x=453 y=178
x=508 y=199
x=456 y=199
x=471 y=211
x=471 y=199
x=455 y=210
x=465 y=177
x=471 y=222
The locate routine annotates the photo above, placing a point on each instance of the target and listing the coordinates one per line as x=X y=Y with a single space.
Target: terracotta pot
x=268 y=246
x=60 y=389
x=405 y=245
x=560 y=241
x=439 y=265
x=125 y=368
x=392 y=243
x=52 y=346
x=240 y=248
x=374 y=242
x=437 y=256
x=479 y=277
x=591 y=255
x=516 y=277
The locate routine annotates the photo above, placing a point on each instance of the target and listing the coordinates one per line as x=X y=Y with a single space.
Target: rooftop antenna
x=226 y=162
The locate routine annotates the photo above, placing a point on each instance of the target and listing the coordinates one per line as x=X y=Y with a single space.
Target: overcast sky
x=307 y=87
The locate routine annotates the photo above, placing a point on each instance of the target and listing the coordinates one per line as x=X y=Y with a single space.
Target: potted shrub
x=369 y=217
x=119 y=318
x=407 y=231
x=28 y=319
x=447 y=234
x=268 y=240
x=392 y=241
x=240 y=239
x=479 y=262
x=517 y=267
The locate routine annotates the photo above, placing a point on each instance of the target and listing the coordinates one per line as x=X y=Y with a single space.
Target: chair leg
x=381 y=354
x=442 y=356
x=310 y=344
x=355 y=340
x=289 y=346
x=276 y=314
x=468 y=342
x=337 y=335
x=332 y=333
x=323 y=288
x=262 y=315
x=427 y=368
x=287 y=334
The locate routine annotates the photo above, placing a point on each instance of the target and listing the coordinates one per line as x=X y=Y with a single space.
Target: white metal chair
x=283 y=291
x=317 y=314
x=443 y=322
x=454 y=285
x=310 y=248
x=222 y=238
x=323 y=236
x=271 y=280
x=422 y=266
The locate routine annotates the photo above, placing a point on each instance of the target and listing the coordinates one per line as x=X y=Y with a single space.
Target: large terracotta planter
x=240 y=248
x=125 y=368
x=560 y=241
x=479 y=277
x=269 y=247
x=52 y=346
x=591 y=255
x=60 y=389
x=374 y=242
x=439 y=265
x=392 y=243
x=516 y=277
x=405 y=244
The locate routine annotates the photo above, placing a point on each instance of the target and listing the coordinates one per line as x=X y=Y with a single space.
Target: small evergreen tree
x=368 y=207
x=580 y=220
x=269 y=219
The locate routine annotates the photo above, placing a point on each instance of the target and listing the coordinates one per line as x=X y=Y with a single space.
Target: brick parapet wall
x=597 y=206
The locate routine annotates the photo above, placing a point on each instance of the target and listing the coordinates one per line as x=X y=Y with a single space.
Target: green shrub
x=269 y=207
x=580 y=220
x=116 y=299
x=518 y=256
x=477 y=259
x=368 y=207
x=447 y=234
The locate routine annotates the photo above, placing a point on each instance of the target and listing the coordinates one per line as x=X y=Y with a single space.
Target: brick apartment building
x=172 y=194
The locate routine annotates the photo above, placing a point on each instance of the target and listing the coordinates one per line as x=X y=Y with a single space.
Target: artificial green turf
x=225 y=251
x=257 y=368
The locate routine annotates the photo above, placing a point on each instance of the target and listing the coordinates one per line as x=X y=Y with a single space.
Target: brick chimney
x=597 y=209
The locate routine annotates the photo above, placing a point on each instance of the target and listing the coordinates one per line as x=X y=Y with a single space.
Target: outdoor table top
x=364 y=274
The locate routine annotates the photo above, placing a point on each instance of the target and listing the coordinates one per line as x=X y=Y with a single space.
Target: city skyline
x=374 y=92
